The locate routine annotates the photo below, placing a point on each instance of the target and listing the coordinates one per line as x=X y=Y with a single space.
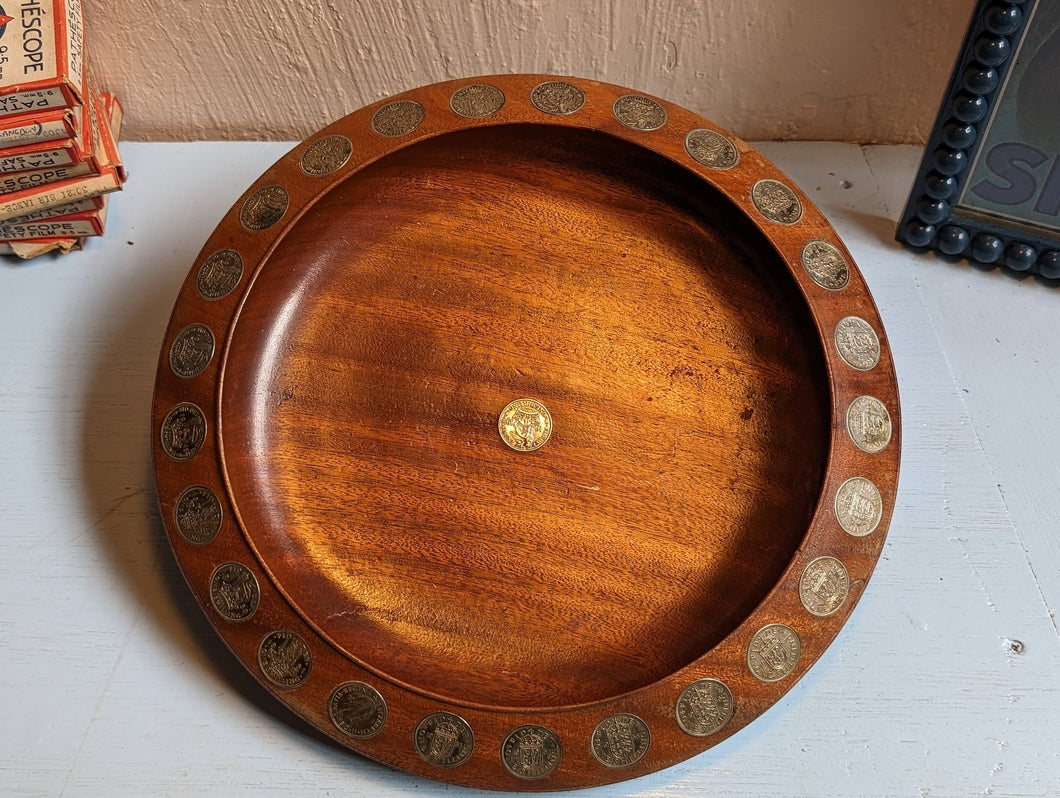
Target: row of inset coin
x=444 y=739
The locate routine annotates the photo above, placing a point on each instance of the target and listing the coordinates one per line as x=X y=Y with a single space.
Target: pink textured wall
x=856 y=70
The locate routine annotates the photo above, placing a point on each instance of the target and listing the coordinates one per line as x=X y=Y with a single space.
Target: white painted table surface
x=945 y=681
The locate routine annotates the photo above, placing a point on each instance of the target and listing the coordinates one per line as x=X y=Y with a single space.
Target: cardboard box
x=31 y=166
x=49 y=125
x=71 y=188
x=81 y=206
x=35 y=178
x=42 y=61
x=85 y=147
x=64 y=227
x=113 y=114
x=38 y=156
x=40 y=246
x=113 y=110
x=74 y=225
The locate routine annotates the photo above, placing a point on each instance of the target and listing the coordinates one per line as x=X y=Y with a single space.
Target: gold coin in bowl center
x=525 y=425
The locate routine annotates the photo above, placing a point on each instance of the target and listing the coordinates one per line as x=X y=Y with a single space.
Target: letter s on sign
x=1004 y=160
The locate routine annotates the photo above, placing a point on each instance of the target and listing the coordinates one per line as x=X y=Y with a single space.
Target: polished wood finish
x=699 y=409
x=674 y=452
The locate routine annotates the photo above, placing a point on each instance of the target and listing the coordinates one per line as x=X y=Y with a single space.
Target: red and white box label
x=41 y=55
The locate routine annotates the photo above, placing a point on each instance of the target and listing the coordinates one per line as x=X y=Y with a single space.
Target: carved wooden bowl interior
x=705 y=418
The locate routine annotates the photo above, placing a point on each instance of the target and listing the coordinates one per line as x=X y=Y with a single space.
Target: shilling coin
x=639 y=113
x=869 y=424
x=477 y=101
x=857 y=343
x=773 y=652
x=711 y=149
x=824 y=586
x=234 y=591
x=183 y=431
x=531 y=752
x=357 y=709
x=326 y=155
x=198 y=515
x=704 y=707
x=858 y=506
x=776 y=201
x=525 y=425
x=620 y=740
x=826 y=265
x=557 y=97
x=219 y=274
x=191 y=351
x=285 y=658
x=444 y=739
x=264 y=208
x=398 y=118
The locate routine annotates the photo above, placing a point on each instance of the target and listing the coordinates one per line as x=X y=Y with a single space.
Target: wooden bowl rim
x=655 y=704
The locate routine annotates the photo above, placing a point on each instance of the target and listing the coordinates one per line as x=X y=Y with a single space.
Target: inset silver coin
x=444 y=740
x=219 y=274
x=192 y=351
x=639 y=113
x=264 y=208
x=869 y=424
x=858 y=506
x=477 y=101
x=234 y=591
x=326 y=155
x=285 y=659
x=857 y=343
x=531 y=752
x=773 y=652
x=198 y=515
x=826 y=265
x=776 y=202
x=557 y=97
x=183 y=431
x=398 y=118
x=620 y=740
x=711 y=149
x=357 y=709
x=824 y=586
x=704 y=707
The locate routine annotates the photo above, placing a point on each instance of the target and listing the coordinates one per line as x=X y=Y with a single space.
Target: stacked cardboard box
x=58 y=135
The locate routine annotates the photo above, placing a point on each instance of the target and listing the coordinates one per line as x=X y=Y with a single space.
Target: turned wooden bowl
x=722 y=432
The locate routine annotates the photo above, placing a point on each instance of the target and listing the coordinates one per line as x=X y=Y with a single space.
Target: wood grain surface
x=685 y=384
x=941 y=682
x=389 y=311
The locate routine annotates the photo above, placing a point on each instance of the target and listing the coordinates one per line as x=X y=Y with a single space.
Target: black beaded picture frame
x=988 y=187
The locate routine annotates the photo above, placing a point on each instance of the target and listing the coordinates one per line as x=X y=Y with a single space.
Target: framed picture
x=988 y=187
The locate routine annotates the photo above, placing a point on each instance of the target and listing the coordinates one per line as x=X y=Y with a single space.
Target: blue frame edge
x=990 y=46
